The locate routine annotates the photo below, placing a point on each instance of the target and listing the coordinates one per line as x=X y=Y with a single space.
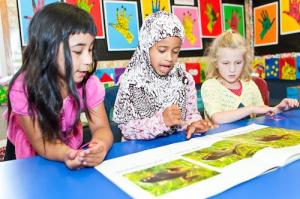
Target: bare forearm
x=52 y=150
x=103 y=134
x=231 y=116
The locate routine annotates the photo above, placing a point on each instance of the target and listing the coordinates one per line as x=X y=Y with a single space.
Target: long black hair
x=50 y=27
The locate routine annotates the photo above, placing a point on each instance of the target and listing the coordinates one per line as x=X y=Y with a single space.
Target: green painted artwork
x=3 y=94
x=170 y=176
x=234 y=18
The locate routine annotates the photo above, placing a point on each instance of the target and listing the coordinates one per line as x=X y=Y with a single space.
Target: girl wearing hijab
x=156 y=96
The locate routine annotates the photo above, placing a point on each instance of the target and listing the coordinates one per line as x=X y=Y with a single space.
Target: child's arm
x=240 y=113
x=102 y=138
x=147 y=128
x=56 y=150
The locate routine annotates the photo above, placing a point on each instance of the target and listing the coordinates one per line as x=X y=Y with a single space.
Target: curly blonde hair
x=228 y=39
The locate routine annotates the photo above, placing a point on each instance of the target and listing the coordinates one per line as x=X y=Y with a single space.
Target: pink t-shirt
x=95 y=93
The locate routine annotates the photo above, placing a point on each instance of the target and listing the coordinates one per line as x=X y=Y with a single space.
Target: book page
x=203 y=166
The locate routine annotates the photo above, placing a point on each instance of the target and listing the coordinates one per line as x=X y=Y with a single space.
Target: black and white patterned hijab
x=142 y=91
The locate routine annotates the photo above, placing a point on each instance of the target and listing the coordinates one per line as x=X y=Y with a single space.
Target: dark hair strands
x=50 y=27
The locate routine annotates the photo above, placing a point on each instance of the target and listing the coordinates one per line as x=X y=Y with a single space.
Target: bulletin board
x=102 y=48
x=132 y=12
x=288 y=27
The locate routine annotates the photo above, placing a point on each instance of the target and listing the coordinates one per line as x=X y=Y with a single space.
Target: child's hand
x=287 y=104
x=94 y=155
x=199 y=126
x=172 y=116
x=72 y=161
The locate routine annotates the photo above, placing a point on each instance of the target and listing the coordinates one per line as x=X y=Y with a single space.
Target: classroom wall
x=287 y=43
x=103 y=54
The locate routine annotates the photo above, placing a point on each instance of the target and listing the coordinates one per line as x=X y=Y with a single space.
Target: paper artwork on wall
x=258 y=65
x=184 y=2
x=287 y=68
x=121 y=23
x=106 y=76
x=266 y=24
x=195 y=70
x=118 y=73
x=27 y=8
x=94 y=8
x=203 y=65
x=190 y=20
x=211 y=17
x=272 y=68
x=298 y=67
x=233 y=18
x=289 y=16
x=152 y=6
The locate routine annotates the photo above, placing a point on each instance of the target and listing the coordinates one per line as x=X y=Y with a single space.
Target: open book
x=204 y=166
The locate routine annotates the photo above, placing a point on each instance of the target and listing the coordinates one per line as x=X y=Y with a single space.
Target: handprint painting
x=27 y=8
x=94 y=7
x=211 y=17
x=152 y=6
x=290 y=16
x=233 y=16
x=121 y=22
x=265 y=24
x=190 y=20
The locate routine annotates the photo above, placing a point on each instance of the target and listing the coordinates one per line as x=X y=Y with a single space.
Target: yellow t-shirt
x=217 y=98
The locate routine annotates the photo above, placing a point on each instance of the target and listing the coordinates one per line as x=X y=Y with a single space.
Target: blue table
x=39 y=178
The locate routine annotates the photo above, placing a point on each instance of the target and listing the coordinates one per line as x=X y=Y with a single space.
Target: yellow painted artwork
x=151 y=6
x=258 y=66
x=288 y=72
x=122 y=24
x=188 y=24
x=289 y=16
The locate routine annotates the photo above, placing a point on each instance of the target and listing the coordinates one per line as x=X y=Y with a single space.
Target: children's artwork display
x=195 y=70
x=106 y=76
x=190 y=20
x=152 y=6
x=233 y=16
x=211 y=17
x=27 y=8
x=118 y=73
x=287 y=68
x=289 y=16
x=94 y=7
x=258 y=65
x=266 y=24
x=203 y=65
x=184 y=2
x=121 y=22
x=298 y=67
x=272 y=68
x=3 y=94
x=204 y=166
